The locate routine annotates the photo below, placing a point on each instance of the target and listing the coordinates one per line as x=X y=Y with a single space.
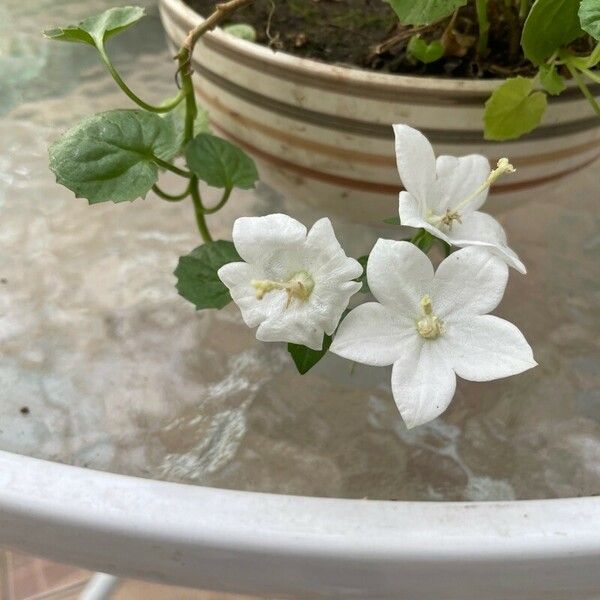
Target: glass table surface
x=103 y=365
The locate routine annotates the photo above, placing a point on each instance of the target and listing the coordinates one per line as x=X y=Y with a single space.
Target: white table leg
x=100 y=587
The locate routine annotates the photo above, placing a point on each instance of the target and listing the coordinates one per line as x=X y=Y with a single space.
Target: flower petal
x=326 y=256
x=423 y=382
x=416 y=162
x=470 y=281
x=412 y=214
x=481 y=229
x=458 y=178
x=329 y=300
x=373 y=335
x=237 y=277
x=292 y=324
x=399 y=275
x=485 y=347
x=262 y=240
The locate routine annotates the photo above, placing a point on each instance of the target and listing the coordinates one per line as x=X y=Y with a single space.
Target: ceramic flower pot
x=322 y=133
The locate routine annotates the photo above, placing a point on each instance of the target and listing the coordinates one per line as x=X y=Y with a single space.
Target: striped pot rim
x=355 y=81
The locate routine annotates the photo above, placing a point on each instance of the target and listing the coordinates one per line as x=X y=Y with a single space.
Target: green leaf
x=392 y=221
x=306 y=358
x=589 y=16
x=423 y=12
x=551 y=80
x=242 y=31
x=421 y=50
x=97 y=29
x=177 y=120
x=109 y=156
x=513 y=109
x=197 y=279
x=219 y=163
x=363 y=278
x=550 y=25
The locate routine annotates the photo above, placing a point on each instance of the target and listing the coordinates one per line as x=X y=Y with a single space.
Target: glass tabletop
x=103 y=365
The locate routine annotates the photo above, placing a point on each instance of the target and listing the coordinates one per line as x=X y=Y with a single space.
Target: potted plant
x=321 y=132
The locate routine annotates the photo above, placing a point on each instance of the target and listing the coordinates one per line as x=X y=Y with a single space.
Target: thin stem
x=594 y=57
x=169 y=167
x=171 y=197
x=184 y=58
x=119 y=81
x=199 y=211
x=423 y=240
x=591 y=75
x=523 y=9
x=484 y=26
x=584 y=88
x=221 y=204
x=222 y=10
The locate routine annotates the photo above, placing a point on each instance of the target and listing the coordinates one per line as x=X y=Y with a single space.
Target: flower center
x=299 y=286
x=452 y=214
x=429 y=326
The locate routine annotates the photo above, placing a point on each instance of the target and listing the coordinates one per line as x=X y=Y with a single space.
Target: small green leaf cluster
x=517 y=106
x=119 y=155
x=424 y=52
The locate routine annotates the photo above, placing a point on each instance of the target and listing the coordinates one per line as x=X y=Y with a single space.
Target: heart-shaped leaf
x=219 y=163
x=110 y=156
x=424 y=52
x=197 y=279
x=97 y=29
x=513 y=109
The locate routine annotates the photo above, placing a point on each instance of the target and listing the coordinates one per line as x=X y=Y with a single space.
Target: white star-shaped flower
x=443 y=196
x=432 y=327
x=293 y=286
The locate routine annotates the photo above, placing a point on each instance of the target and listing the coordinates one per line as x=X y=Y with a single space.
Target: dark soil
x=366 y=33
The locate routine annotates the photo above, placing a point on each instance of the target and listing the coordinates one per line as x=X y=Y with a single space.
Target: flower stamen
x=430 y=326
x=503 y=166
x=299 y=286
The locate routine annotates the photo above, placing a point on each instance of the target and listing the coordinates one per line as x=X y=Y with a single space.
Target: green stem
x=119 y=81
x=594 y=57
x=169 y=167
x=584 y=88
x=199 y=211
x=523 y=9
x=221 y=204
x=423 y=240
x=191 y=110
x=170 y=197
x=484 y=26
x=591 y=75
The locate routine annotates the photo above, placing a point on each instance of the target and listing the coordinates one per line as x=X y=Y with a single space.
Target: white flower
x=431 y=327
x=294 y=286
x=443 y=196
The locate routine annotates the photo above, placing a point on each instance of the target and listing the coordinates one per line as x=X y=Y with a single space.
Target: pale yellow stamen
x=429 y=326
x=299 y=286
x=453 y=214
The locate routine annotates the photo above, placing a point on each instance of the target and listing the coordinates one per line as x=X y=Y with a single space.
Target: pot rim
x=311 y=67
x=308 y=65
